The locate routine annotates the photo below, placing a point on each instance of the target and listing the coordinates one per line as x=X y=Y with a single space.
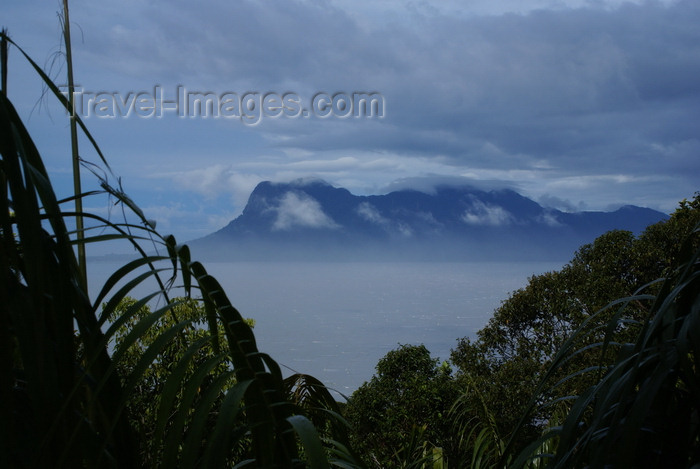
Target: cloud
x=405 y=230
x=489 y=215
x=215 y=181
x=551 y=201
x=549 y=219
x=429 y=183
x=297 y=209
x=593 y=102
x=370 y=213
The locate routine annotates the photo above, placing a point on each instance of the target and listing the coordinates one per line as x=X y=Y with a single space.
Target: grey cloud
x=589 y=90
x=592 y=91
x=551 y=201
x=430 y=183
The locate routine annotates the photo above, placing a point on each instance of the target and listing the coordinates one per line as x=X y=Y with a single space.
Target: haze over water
x=335 y=320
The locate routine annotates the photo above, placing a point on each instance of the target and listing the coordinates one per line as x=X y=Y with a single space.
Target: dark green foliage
x=56 y=409
x=510 y=355
x=644 y=410
x=183 y=358
x=326 y=415
x=65 y=401
x=406 y=401
x=185 y=385
x=660 y=244
x=504 y=378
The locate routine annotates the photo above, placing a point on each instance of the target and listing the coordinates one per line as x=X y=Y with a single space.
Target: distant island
x=313 y=220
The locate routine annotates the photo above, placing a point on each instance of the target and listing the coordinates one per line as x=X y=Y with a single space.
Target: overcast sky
x=576 y=104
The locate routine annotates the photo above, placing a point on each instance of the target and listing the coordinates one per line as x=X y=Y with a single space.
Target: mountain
x=311 y=219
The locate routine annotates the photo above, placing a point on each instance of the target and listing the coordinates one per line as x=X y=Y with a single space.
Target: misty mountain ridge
x=311 y=219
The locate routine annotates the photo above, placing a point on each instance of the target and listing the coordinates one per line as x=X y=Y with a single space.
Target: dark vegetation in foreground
x=592 y=366
x=602 y=331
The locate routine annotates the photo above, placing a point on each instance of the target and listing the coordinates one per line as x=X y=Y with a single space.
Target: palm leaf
x=65 y=391
x=643 y=411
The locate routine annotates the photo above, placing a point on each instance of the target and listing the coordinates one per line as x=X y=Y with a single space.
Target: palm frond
x=644 y=409
x=66 y=395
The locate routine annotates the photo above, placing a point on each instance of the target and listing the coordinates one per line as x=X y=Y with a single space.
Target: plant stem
x=74 y=146
x=3 y=62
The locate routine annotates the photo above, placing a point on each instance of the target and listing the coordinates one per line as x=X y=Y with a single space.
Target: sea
x=336 y=320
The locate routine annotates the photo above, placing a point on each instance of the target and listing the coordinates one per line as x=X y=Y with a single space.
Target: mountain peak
x=309 y=214
x=309 y=181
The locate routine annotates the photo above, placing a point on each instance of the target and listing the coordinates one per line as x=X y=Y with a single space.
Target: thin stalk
x=3 y=62
x=74 y=147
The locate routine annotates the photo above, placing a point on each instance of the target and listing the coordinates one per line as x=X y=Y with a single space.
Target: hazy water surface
x=336 y=320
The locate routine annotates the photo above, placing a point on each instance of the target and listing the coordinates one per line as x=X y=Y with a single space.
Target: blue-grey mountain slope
x=310 y=219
